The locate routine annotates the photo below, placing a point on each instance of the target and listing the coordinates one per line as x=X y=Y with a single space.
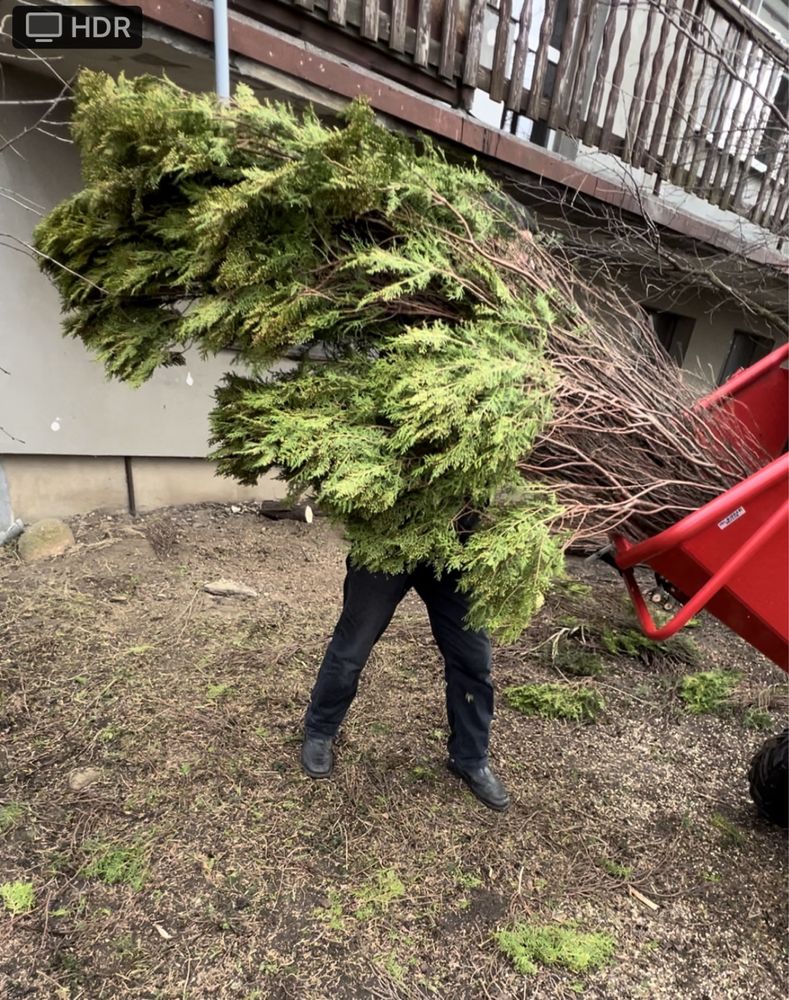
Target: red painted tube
x=705 y=593
x=628 y=555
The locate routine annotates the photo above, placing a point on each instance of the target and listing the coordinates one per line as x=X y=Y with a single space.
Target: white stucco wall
x=56 y=399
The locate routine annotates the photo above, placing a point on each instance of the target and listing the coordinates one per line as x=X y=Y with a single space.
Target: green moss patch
x=708 y=691
x=115 y=865
x=555 y=701
x=17 y=897
x=530 y=946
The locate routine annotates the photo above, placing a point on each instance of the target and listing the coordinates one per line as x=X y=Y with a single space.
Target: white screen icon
x=43 y=26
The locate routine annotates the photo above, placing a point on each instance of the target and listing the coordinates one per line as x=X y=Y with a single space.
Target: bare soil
x=388 y=880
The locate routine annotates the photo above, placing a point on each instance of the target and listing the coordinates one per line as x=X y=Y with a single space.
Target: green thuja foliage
x=416 y=378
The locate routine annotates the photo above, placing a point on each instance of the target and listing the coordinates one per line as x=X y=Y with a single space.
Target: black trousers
x=369 y=602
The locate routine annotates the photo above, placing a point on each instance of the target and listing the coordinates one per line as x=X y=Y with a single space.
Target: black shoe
x=317 y=758
x=484 y=784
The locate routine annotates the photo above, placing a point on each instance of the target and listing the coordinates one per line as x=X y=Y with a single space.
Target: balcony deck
x=691 y=93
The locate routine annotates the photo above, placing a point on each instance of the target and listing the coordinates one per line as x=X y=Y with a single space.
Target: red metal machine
x=731 y=556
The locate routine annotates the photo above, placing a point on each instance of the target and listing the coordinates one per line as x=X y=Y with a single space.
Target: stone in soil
x=83 y=777
x=49 y=537
x=229 y=588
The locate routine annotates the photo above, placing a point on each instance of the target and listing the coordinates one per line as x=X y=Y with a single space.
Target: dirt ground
x=195 y=860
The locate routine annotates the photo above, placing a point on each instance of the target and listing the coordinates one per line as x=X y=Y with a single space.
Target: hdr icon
x=80 y=27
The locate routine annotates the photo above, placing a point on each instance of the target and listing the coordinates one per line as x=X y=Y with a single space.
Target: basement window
x=745 y=349
x=672 y=331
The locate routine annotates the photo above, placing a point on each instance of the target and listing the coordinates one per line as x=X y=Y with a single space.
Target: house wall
x=60 y=485
x=56 y=405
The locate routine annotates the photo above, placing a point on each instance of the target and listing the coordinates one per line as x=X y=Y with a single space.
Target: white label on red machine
x=734 y=516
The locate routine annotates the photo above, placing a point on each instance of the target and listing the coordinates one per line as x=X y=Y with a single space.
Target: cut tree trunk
x=280 y=512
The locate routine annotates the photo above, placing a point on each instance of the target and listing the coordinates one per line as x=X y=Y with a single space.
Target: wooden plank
x=680 y=173
x=500 y=50
x=714 y=153
x=397 y=27
x=619 y=71
x=449 y=32
x=566 y=68
x=756 y=138
x=639 y=85
x=715 y=92
x=601 y=76
x=746 y=118
x=666 y=96
x=776 y=188
x=576 y=98
x=778 y=220
x=474 y=43
x=519 y=58
x=305 y=4
x=370 y=20
x=678 y=114
x=422 y=45
x=724 y=166
x=541 y=62
x=337 y=11
x=641 y=143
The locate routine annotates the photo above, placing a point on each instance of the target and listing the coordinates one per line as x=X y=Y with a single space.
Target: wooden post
x=666 y=96
x=370 y=20
x=758 y=131
x=397 y=26
x=645 y=121
x=714 y=154
x=566 y=68
x=337 y=11
x=596 y=100
x=747 y=118
x=540 y=63
x=499 y=70
x=449 y=30
x=422 y=46
x=716 y=89
x=474 y=43
x=616 y=82
x=639 y=85
x=519 y=58
x=584 y=35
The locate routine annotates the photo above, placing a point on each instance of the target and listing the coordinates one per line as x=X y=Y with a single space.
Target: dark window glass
x=745 y=350
x=672 y=331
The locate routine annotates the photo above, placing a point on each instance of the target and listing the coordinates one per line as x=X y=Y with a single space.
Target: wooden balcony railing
x=691 y=92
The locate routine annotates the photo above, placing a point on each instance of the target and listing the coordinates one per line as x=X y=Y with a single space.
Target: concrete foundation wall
x=163 y=482
x=56 y=486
